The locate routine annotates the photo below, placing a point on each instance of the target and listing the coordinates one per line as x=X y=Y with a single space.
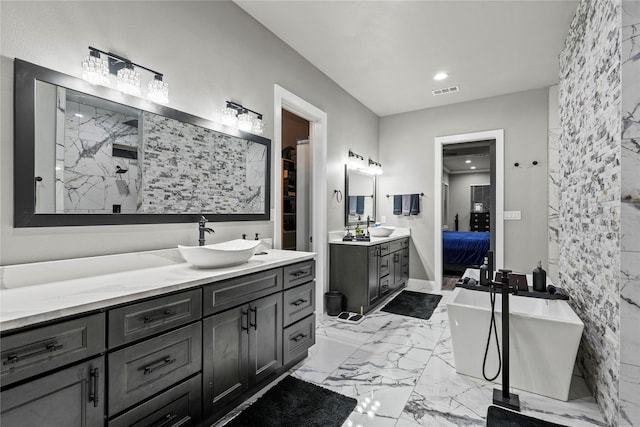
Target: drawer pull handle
x=161 y=363
x=299 y=338
x=298 y=273
x=167 y=313
x=299 y=302
x=15 y=358
x=95 y=387
x=255 y=317
x=245 y=317
x=165 y=420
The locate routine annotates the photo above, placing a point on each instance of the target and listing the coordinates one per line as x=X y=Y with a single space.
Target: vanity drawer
x=384 y=266
x=127 y=324
x=39 y=350
x=395 y=246
x=299 y=273
x=299 y=302
x=146 y=368
x=384 y=249
x=179 y=406
x=298 y=338
x=230 y=293
x=384 y=285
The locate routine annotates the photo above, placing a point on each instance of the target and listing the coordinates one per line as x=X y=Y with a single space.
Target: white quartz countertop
x=27 y=305
x=398 y=233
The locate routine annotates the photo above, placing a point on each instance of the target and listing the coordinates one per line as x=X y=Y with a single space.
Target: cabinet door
x=396 y=258
x=374 y=284
x=225 y=353
x=69 y=398
x=265 y=337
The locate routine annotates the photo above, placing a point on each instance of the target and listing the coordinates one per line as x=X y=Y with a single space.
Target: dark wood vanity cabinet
x=242 y=347
x=157 y=361
x=365 y=274
x=71 y=397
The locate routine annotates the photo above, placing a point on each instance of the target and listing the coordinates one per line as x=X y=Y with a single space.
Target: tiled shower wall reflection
x=90 y=182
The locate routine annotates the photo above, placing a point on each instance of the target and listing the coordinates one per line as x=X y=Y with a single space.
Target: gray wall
x=406 y=151
x=209 y=52
x=460 y=193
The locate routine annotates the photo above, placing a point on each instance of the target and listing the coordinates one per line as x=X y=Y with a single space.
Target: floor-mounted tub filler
x=544 y=339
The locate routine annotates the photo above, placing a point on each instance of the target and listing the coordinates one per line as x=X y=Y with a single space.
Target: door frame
x=440 y=141
x=284 y=99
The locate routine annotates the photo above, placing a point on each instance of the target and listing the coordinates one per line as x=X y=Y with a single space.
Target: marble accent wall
x=207 y=172
x=90 y=181
x=630 y=213
x=590 y=189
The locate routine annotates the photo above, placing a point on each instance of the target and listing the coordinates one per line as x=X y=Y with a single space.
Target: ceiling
x=461 y=158
x=385 y=53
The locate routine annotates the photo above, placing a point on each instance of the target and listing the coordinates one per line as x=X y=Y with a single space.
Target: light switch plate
x=512 y=215
x=383 y=219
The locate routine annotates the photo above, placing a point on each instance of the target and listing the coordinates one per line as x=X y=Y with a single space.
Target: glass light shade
x=356 y=162
x=95 y=70
x=129 y=81
x=229 y=116
x=245 y=122
x=257 y=126
x=158 y=91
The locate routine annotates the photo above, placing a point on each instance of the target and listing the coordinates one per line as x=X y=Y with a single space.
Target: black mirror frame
x=25 y=76
x=348 y=223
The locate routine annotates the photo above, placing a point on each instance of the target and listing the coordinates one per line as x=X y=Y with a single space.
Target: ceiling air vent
x=445 y=90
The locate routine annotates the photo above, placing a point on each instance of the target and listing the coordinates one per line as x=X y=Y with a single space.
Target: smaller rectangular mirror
x=360 y=200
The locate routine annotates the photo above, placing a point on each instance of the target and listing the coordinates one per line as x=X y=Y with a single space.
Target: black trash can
x=333 y=302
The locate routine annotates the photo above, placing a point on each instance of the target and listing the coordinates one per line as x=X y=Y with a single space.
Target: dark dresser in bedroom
x=479 y=221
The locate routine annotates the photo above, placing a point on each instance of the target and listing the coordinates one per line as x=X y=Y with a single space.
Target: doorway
x=295 y=173
x=285 y=100
x=497 y=211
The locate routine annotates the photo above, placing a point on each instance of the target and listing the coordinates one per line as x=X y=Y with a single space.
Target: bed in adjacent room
x=461 y=249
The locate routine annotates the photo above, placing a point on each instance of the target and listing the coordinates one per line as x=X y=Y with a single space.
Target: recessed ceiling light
x=78 y=115
x=467 y=161
x=440 y=76
x=473 y=167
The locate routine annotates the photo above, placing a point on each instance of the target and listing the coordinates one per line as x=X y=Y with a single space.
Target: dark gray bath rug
x=294 y=403
x=414 y=304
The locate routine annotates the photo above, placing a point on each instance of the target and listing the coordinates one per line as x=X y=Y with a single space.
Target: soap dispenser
x=539 y=278
x=484 y=272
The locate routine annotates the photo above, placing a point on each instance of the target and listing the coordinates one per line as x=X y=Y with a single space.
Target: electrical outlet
x=512 y=215
x=383 y=219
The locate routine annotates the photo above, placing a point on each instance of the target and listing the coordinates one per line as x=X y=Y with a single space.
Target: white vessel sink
x=218 y=255
x=381 y=231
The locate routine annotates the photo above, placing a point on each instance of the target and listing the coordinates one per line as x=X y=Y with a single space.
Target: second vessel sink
x=218 y=255
x=381 y=231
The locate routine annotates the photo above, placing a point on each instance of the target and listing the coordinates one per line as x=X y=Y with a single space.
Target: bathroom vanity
x=365 y=272
x=167 y=345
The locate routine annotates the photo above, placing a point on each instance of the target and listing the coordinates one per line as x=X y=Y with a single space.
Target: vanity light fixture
x=236 y=115
x=375 y=168
x=96 y=70
x=467 y=161
x=355 y=161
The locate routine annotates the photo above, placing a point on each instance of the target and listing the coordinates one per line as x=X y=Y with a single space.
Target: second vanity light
x=356 y=162
x=236 y=115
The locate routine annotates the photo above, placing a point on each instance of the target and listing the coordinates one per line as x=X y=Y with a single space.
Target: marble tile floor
x=407 y=365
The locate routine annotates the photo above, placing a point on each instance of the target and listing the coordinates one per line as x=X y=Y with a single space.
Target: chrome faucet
x=203 y=229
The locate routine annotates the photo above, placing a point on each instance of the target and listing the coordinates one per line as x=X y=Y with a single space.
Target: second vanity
x=163 y=346
x=366 y=272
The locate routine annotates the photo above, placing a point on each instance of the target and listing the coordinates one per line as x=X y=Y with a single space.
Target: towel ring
x=338 y=194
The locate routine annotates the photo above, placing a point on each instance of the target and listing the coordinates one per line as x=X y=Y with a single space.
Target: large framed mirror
x=360 y=201
x=90 y=155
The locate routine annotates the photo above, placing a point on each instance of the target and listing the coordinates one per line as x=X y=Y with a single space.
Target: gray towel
x=353 y=205
x=397 y=204
x=415 y=204
x=406 y=204
x=360 y=205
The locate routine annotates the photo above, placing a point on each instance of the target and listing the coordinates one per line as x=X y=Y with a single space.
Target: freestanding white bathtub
x=544 y=336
